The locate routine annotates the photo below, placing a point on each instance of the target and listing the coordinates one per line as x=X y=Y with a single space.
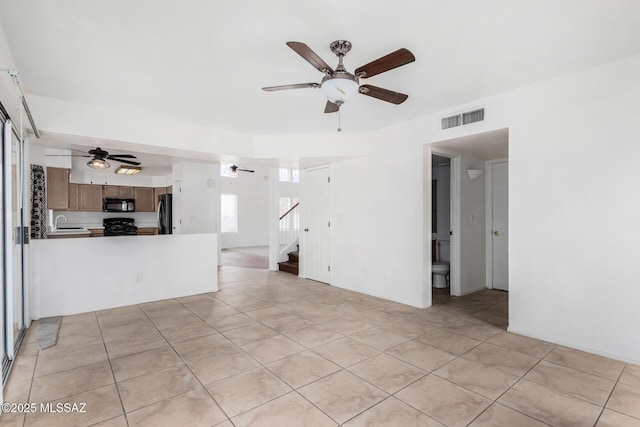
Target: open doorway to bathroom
x=440 y=225
x=469 y=222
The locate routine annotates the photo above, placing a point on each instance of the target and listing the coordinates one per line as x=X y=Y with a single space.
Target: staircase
x=290 y=266
x=289 y=228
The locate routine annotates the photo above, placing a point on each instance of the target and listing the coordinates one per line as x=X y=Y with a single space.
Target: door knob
x=306 y=229
x=496 y=232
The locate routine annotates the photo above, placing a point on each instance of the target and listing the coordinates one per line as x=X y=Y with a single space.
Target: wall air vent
x=451 y=121
x=463 y=118
x=473 y=116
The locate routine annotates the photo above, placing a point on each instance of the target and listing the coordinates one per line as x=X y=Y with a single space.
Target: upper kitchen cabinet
x=89 y=197
x=157 y=192
x=74 y=197
x=110 y=191
x=127 y=193
x=145 y=199
x=57 y=188
x=117 y=192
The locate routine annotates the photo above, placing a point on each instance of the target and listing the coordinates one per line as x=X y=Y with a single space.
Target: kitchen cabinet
x=157 y=192
x=58 y=188
x=147 y=231
x=169 y=189
x=126 y=193
x=89 y=197
x=145 y=200
x=96 y=232
x=74 y=197
x=111 y=191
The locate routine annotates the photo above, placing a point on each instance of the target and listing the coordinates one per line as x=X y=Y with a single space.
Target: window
x=289 y=175
x=225 y=170
x=229 y=213
x=285 y=175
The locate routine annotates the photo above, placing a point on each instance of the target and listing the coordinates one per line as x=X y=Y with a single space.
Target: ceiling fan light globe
x=98 y=164
x=339 y=89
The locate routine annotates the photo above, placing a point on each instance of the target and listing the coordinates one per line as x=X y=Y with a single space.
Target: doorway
x=315 y=241
x=471 y=245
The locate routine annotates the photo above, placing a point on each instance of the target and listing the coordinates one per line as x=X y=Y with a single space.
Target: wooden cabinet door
x=74 y=197
x=126 y=193
x=90 y=197
x=170 y=189
x=110 y=191
x=144 y=199
x=157 y=192
x=58 y=188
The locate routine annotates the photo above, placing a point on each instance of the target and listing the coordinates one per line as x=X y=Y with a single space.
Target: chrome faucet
x=55 y=222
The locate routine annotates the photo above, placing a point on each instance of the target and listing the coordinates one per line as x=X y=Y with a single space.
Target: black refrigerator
x=164 y=214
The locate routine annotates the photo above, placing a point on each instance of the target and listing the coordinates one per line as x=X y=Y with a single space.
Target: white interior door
x=500 y=225
x=317 y=249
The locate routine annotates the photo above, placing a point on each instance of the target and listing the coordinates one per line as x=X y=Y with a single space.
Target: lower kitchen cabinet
x=147 y=231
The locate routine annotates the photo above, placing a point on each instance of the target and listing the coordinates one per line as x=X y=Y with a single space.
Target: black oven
x=118 y=205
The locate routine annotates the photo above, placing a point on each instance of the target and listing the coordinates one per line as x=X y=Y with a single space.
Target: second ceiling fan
x=338 y=85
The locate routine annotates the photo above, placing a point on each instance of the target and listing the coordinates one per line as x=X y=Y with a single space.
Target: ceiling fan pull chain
x=339 y=128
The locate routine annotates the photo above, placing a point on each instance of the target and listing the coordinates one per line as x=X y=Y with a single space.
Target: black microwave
x=118 y=205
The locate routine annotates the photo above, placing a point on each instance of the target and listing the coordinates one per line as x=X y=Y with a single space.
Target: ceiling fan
x=235 y=169
x=100 y=156
x=338 y=85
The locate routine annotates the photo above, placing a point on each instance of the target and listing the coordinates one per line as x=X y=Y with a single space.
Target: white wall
x=252 y=190
x=574 y=233
x=472 y=227
x=196 y=197
x=72 y=276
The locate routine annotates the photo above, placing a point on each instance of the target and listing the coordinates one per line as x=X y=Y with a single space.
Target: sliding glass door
x=13 y=238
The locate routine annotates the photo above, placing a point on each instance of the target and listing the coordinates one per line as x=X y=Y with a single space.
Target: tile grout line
x=115 y=382
x=611 y=393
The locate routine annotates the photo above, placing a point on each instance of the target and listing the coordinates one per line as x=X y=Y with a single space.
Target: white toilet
x=440 y=270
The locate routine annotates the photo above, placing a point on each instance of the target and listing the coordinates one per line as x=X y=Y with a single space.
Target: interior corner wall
x=377 y=222
x=196 y=206
x=472 y=227
x=573 y=211
x=252 y=190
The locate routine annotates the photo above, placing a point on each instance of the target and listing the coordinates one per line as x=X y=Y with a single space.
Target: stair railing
x=289 y=227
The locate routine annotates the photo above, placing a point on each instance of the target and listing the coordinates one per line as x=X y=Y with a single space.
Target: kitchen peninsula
x=72 y=276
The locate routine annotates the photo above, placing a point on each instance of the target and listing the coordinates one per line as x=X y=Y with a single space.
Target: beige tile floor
x=270 y=349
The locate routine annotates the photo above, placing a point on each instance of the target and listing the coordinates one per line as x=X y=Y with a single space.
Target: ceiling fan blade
x=123 y=156
x=67 y=155
x=331 y=107
x=388 y=62
x=310 y=56
x=245 y=170
x=383 y=94
x=294 y=86
x=124 y=161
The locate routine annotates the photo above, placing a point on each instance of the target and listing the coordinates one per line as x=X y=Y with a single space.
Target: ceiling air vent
x=463 y=118
x=451 y=121
x=473 y=116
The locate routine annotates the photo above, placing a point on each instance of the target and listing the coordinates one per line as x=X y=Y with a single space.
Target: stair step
x=294 y=256
x=289 y=267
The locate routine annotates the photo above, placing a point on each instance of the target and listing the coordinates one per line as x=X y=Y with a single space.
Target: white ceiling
x=204 y=62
